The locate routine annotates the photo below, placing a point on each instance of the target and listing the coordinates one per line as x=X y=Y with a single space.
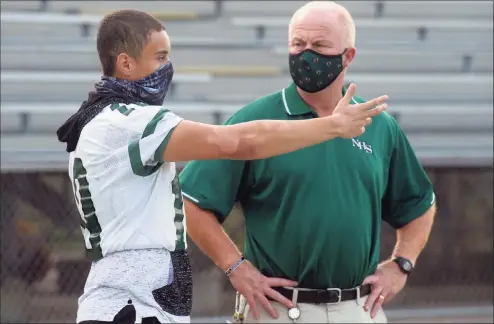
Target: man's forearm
x=208 y=234
x=412 y=238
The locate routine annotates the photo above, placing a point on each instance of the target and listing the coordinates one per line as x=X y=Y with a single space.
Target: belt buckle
x=339 y=294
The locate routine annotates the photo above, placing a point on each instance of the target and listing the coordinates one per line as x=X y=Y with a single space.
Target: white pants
x=128 y=275
x=344 y=312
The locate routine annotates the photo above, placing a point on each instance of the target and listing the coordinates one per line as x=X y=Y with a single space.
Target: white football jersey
x=127 y=196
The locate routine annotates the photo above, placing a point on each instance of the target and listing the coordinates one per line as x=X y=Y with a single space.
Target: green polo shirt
x=314 y=215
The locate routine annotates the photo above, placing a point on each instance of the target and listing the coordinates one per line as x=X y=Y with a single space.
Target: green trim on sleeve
x=151 y=126
x=158 y=155
x=135 y=152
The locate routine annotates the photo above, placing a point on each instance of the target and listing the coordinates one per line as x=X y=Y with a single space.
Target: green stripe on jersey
x=135 y=152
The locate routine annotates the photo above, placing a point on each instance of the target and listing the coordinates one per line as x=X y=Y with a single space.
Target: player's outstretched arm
x=264 y=138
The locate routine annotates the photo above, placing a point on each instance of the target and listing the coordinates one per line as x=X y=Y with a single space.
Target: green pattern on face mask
x=313 y=72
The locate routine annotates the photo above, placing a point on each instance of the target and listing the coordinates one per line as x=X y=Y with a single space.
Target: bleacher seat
x=400 y=88
x=85 y=58
x=102 y=7
x=22 y=150
x=364 y=9
x=287 y=8
x=452 y=34
x=205 y=7
x=53 y=86
x=438 y=9
x=19 y=6
x=411 y=88
x=414 y=61
x=56 y=26
x=38 y=118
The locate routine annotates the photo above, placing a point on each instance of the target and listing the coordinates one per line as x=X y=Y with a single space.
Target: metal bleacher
x=433 y=58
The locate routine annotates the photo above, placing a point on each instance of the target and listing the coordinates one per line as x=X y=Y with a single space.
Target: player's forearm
x=208 y=234
x=412 y=238
x=266 y=138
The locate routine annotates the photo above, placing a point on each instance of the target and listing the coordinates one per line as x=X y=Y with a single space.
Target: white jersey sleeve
x=155 y=127
x=128 y=197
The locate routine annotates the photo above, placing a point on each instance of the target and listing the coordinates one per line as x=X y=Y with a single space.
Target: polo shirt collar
x=295 y=105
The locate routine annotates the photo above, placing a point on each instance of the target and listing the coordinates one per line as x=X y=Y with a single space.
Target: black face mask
x=312 y=71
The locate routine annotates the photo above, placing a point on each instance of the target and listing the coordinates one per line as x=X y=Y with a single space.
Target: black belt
x=325 y=296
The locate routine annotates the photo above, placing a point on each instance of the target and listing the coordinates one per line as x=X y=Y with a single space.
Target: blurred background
x=433 y=58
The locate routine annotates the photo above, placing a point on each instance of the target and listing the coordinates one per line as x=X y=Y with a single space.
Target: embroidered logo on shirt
x=367 y=148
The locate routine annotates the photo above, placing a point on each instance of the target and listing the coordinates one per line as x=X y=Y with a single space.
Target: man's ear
x=349 y=56
x=125 y=64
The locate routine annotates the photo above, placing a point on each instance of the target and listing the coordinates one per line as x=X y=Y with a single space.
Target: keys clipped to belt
x=238 y=315
x=241 y=302
x=294 y=313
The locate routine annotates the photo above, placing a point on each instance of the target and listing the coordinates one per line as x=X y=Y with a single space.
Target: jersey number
x=89 y=220
x=179 y=215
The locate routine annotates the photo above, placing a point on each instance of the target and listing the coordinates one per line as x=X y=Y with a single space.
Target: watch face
x=405 y=265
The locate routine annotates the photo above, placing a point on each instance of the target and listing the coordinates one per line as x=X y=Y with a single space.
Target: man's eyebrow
x=297 y=39
x=323 y=41
x=161 y=52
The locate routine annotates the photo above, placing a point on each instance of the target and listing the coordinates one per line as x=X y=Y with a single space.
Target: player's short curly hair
x=124 y=31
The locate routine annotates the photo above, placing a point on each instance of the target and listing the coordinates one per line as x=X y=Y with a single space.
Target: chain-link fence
x=43 y=264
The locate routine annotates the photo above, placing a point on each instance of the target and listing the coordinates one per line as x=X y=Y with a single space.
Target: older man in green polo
x=313 y=217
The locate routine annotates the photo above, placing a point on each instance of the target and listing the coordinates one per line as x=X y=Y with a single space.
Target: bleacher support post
x=218 y=8
x=379 y=9
x=217 y=117
x=43 y=5
x=85 y=30
x=260 y=32
x=422 y=33
x=467 y=63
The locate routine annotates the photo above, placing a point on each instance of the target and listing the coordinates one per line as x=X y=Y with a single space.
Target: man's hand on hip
x=386 y=282
x=254 y=286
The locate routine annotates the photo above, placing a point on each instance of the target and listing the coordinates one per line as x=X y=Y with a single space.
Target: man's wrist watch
x=405 y=265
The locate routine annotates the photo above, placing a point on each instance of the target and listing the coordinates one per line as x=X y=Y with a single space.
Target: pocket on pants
x=265 y=317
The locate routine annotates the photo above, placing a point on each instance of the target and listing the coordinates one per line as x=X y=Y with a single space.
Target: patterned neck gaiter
x=151 y=89
x=312 y=71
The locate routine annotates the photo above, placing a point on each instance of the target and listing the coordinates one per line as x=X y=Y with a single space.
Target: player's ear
x=125 y=64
